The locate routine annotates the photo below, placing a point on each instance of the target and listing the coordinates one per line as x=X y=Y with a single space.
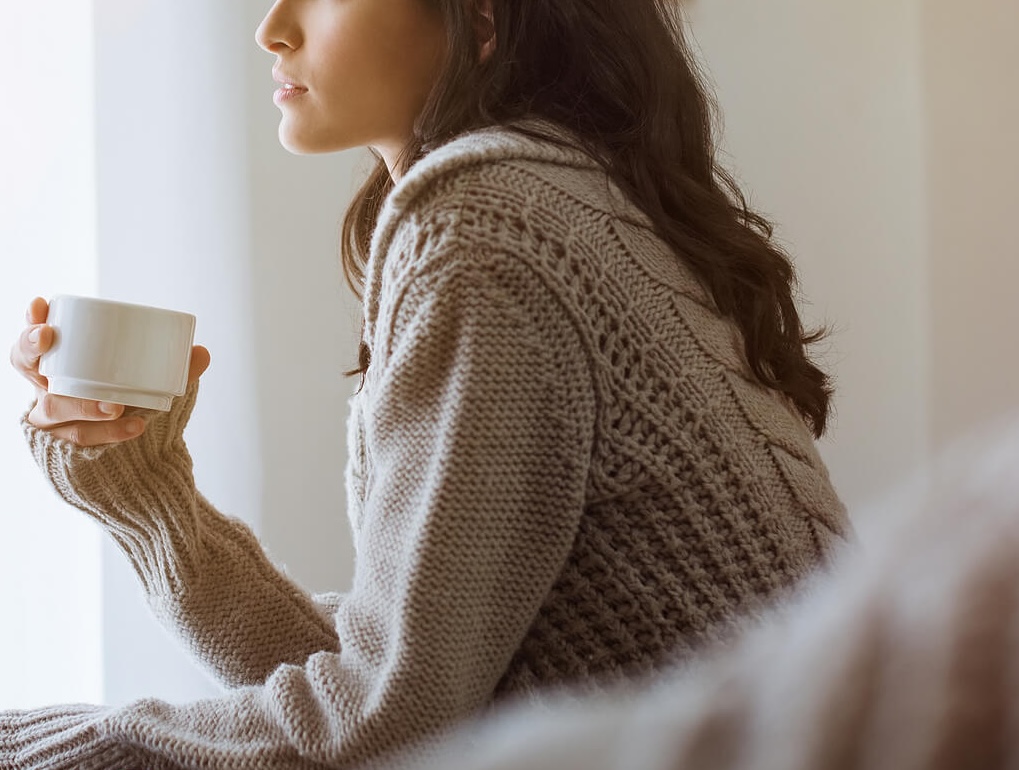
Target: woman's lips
x=288 y=92
x=290 y=89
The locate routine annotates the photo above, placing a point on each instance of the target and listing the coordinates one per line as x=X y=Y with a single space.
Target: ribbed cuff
x=141 y=491
x=59 y=738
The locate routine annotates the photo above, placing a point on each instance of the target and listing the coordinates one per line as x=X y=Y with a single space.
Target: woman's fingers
x=38 y=310
x=85 y=423
x=200 y=360
x=25 y=355
x=33 y=342
x=88 y=434
x=51 y=410
x=93 y=423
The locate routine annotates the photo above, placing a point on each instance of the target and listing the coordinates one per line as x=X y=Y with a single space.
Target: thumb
x=200 y=360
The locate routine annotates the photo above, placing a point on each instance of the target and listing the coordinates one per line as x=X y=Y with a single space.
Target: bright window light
x=50 y=637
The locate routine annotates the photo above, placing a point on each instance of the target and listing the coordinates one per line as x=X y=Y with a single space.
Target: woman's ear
x=484 y=28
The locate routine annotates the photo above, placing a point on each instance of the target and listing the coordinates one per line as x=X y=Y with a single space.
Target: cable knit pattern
x=561 y=471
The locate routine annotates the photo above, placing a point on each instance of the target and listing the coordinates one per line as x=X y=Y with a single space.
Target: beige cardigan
x=562 y=471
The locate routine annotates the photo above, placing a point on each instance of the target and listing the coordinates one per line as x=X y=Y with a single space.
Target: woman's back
x=703 y=494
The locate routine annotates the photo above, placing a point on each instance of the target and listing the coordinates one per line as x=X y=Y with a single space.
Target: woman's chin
x=301 y=143
x=295 y=143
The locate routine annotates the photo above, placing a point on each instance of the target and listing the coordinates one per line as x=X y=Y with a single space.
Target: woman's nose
x=278 y=29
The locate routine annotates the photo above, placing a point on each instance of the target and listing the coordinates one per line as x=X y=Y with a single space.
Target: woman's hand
x=83 y=422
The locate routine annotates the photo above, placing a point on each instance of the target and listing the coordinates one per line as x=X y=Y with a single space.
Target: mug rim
x=118 y=303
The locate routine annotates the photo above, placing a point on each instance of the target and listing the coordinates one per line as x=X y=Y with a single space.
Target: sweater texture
x=903 y=657
x=562 y=471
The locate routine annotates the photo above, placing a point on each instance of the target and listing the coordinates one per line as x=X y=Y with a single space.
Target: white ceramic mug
x=114 y=351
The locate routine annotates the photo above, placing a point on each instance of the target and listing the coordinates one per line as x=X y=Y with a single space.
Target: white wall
x=824 y=126
x=49 y=554
x=971 y=58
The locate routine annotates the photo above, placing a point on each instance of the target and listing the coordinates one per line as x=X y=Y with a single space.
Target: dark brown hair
x=619 y=75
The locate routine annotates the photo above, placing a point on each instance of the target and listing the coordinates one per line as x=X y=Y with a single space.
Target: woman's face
x=360 y=71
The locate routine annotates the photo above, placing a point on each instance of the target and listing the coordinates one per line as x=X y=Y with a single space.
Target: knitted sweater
x=561 y=470
x=905 y=657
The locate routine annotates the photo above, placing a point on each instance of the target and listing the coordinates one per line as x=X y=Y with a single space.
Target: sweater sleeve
x=480 y=421
x=204 y=575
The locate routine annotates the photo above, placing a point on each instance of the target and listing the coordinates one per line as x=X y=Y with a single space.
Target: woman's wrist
x=56 y=738
x=141 y=491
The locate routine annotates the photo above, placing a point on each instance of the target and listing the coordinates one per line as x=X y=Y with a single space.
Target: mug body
x=114 y=351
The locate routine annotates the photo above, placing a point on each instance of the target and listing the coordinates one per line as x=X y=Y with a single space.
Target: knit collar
x=496 y=143
x=485 y=145
x=482 y=146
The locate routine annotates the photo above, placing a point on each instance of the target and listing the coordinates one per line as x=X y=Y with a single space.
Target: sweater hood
x=487 y=145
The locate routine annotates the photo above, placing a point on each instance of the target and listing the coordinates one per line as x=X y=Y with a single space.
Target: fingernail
x=134 y=427
x=106 y=408
x=33 y=336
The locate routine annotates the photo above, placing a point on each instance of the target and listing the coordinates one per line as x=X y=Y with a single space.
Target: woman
x=582 y=447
